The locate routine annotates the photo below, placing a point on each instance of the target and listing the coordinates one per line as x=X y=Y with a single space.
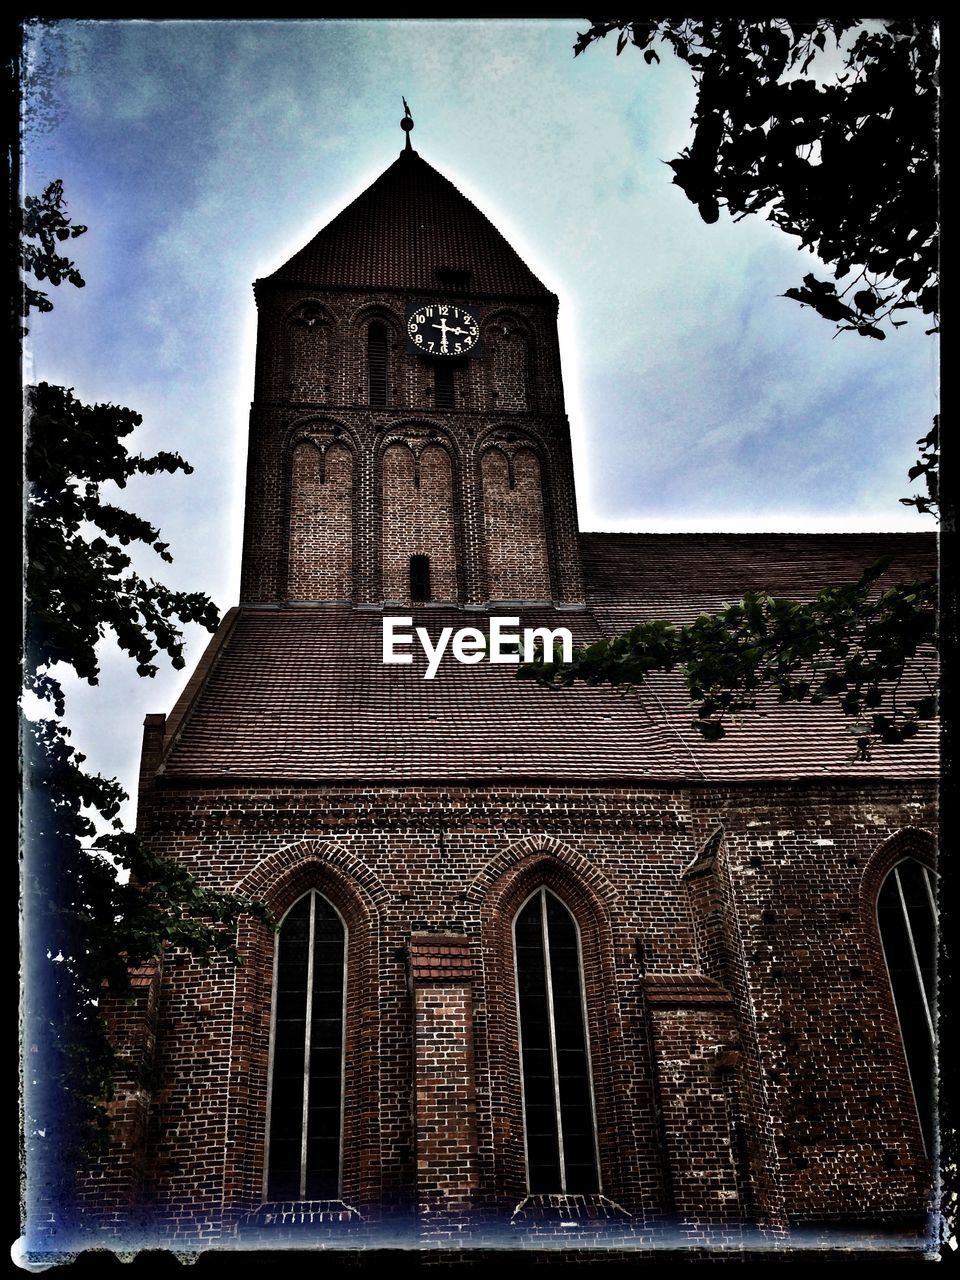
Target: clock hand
x=445 y=329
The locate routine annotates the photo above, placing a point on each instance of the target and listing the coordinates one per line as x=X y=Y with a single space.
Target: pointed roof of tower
x=409 y=224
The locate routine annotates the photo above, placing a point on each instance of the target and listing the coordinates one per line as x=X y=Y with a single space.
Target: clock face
x=442 y=329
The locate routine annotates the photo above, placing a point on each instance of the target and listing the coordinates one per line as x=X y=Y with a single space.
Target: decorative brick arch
x=526 y=437
x=497 y=894
x=312 y=424
x=357 y=894
x=541 y=846
x=361 y=317
x=911 y=842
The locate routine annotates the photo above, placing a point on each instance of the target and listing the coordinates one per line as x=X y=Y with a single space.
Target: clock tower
x=408 y=438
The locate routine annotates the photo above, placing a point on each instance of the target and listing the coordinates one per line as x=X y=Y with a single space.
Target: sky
x=201 y=155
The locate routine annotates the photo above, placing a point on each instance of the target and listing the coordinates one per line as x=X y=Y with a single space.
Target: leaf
x=866 y=300
x=651 y=55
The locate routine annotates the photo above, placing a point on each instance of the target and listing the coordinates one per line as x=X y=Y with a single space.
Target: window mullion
x=553 y=1036
x=918 y=972
x=306 y=1048
x=929 y=888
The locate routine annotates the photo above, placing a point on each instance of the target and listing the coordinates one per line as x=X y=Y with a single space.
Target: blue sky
x=202 y=155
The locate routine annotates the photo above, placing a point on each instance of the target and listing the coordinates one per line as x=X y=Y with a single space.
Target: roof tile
x=398 y=232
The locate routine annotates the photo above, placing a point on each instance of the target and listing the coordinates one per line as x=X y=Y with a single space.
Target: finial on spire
x=406 y=124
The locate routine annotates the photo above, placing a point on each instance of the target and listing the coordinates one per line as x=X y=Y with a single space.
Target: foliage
x=848 y=166
x=79 y=585
x=928 y=466
x=43 y=225
x=85 y=925
x=848 y=643
x=84 y=928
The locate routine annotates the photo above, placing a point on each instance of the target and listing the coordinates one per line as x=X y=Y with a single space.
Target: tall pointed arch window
x=906 y=915
x=305 y=1119
x=558 y=1109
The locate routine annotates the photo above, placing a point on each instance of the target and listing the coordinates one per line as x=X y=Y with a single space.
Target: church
x=550 y=971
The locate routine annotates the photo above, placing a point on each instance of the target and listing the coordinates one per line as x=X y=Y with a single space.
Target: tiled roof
x=301 y=693
x=633 y=577
x=404 y=227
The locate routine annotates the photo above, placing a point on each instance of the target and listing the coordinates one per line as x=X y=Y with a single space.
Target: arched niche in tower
x=309 y=354
x=508 y=344
x=418 y=519
x=320 y=557
x=514 y=526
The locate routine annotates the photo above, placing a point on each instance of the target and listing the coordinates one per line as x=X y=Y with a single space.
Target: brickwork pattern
x=321 y=523
x=445 y=1108
x=117 y=1179
x=668 y=1041
x=513 y=526
x=418 y=519
x=508 y=341
x=311 y=358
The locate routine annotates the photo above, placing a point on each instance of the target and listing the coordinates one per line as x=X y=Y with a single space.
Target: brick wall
x=515 y=539
x=754 y=1079
x=418 y=502
x=444 y=1085
x=321 y=523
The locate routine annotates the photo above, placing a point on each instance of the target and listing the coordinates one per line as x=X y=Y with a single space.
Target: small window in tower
x=443 y=397
x=377 y=363
x=419 y=578
x=448 y=278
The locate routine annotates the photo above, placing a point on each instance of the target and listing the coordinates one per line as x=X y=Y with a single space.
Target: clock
x=442 y=329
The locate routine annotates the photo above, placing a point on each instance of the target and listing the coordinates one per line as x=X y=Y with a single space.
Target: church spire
x=406 y=124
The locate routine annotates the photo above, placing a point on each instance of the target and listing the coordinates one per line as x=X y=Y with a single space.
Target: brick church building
x=551 y=970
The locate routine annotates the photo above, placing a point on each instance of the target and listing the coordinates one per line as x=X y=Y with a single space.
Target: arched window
x=304 y=1125
x=558 y=1112
x=906 y=914
x=377 y=363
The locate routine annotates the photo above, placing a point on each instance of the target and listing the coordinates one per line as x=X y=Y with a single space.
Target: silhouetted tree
x=847 y=164
x=85 y=925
